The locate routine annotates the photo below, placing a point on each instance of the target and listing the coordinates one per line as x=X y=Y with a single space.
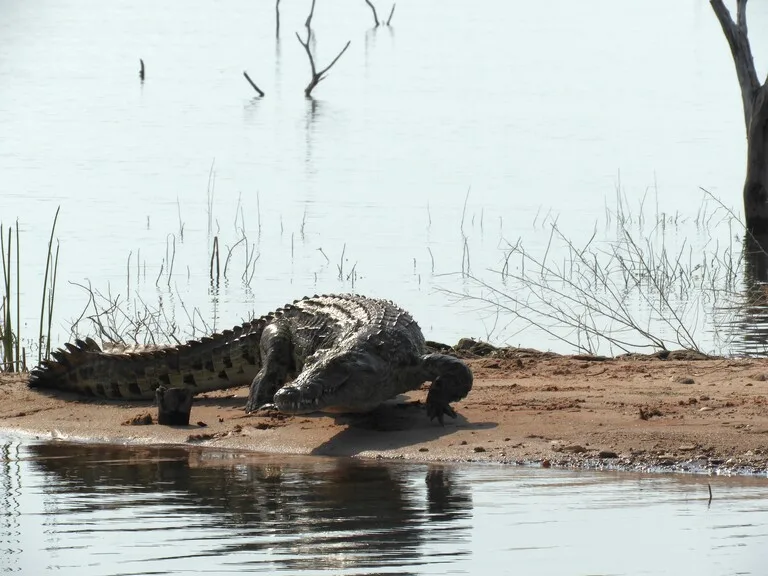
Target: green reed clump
x=10 y=357
x=12 y=353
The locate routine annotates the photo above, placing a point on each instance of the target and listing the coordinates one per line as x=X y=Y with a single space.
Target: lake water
x=432 y=146
x=109 y=510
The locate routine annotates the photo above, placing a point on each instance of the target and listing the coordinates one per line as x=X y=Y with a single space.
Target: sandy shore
x=680 y=413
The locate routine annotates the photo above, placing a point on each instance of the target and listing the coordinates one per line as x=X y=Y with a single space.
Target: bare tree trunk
x=756 y=183
x=754 y=97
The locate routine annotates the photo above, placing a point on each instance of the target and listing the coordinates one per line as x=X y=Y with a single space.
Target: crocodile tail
x=58 y=371
x=222 y=360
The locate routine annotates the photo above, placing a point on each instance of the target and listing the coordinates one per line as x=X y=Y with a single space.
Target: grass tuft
x=12 y=353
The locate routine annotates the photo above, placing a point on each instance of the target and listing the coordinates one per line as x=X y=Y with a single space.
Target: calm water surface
x=543 y=109
x=77 y=509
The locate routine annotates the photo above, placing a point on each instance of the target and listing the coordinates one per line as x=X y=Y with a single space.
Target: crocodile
x=331 y=353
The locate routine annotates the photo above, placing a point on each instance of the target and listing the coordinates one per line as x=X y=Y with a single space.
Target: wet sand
x=679 y=413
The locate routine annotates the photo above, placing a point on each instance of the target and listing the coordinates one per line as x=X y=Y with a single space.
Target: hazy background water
x=542 y=110
x=108 y=510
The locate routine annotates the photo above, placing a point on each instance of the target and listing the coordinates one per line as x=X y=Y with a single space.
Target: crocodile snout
x=296 y=400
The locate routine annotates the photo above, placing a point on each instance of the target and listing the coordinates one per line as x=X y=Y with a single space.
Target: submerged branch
x=373 y=9
x=252 y=83
x=317 y=76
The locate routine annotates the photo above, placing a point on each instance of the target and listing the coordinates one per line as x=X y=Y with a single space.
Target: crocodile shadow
x=393 y=425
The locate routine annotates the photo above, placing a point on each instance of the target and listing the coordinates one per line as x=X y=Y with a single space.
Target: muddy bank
x=667 y=412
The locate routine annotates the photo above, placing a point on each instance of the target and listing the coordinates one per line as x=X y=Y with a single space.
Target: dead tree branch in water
x=252 y=83
x=308 y=22
x=391 y=13
x=317 y=76
x=373 y=9
x=277 y=18
x=376 y=21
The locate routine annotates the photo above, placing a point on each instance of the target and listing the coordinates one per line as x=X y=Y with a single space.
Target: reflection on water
x=69 y=508
x=748 y=313
x=299 y=515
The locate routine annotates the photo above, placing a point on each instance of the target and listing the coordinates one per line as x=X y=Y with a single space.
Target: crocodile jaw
x=352 y=377
x=341 y=387
x=291 y=399
x=305 y=397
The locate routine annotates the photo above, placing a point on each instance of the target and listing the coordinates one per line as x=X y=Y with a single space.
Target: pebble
x=682 y=379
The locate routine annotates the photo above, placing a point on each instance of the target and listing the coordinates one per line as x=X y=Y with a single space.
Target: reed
x=215 y=261
x=12 y=354
x=51 y=294
x=19 y=355
x=48 y=263
x=6 y=333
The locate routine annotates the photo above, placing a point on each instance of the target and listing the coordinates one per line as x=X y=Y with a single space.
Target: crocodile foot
x=438 y=408
x=451 y=381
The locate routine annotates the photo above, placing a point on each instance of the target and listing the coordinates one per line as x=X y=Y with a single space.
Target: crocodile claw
x=438 y=410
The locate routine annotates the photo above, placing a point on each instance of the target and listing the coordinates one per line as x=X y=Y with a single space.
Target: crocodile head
x=353 y=379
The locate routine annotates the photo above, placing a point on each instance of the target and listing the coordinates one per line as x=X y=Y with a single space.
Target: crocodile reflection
x=333 y=509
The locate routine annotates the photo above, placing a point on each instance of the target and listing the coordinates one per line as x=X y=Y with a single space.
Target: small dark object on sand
x=144 y=419
x=173 y=406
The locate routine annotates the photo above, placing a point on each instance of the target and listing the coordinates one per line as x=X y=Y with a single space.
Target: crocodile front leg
x=451 y=381
x=276 y=363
